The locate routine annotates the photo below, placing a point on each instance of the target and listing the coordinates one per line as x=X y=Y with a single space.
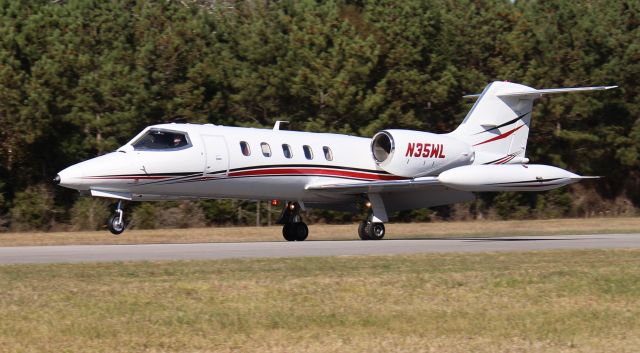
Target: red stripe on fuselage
x=282 y=171
x=314 y=171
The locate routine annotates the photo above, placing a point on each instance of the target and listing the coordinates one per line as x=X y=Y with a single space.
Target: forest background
x=79 y=78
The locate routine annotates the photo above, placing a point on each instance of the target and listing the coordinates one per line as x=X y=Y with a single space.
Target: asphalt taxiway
x=209 y=251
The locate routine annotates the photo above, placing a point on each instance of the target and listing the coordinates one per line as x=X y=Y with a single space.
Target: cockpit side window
x=157 y=140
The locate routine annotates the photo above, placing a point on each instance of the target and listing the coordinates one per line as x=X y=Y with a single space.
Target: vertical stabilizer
x=498 y=124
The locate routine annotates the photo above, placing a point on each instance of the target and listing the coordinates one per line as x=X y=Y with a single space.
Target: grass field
x=325 y=232
x=555 y=301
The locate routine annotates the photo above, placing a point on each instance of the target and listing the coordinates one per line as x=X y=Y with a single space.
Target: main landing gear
x=373 y=227
x=369 y=230
x=293 y=228
x=116 y=221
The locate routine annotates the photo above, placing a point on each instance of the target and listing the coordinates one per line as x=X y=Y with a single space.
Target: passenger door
x=217 y=156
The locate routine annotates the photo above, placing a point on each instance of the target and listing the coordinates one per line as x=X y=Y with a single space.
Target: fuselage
x=228 y=162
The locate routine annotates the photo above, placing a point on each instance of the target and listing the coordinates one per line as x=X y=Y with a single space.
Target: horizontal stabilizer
x=537 y=93
x=540 y=92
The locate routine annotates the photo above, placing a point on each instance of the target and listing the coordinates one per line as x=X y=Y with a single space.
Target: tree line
x=78 y=78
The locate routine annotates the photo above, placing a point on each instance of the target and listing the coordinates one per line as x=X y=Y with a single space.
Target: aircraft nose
x=71 y=177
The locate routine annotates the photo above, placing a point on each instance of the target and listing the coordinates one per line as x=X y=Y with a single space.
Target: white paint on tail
x=497 y=126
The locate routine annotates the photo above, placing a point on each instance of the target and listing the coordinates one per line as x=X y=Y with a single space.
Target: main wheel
x=375 y=231
x=287 y=232
x=362 y=230
x=301 y=231
x=115 y=226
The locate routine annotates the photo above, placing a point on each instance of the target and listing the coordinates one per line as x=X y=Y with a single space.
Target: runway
x=210 y=251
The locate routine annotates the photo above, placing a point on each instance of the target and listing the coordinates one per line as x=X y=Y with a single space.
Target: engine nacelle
x=413 y=154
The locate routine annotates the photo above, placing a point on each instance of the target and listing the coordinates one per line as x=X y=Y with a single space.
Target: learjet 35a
x=394 y=170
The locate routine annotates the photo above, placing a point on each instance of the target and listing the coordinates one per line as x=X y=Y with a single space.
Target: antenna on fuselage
x=276 y=126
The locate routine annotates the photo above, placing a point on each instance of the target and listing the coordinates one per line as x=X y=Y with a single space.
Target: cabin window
x=156 y=139
x=244 y=147
x=308 y=153
x=328 y=155
x=266 y=149
x=286 y=150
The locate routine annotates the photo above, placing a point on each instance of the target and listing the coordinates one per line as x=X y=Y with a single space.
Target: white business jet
x=394 y=170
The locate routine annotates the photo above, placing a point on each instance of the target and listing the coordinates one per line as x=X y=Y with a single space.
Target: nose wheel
x=115 y=224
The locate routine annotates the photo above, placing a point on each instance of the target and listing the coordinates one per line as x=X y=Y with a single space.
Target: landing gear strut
x=293 y=228
x=116 y=221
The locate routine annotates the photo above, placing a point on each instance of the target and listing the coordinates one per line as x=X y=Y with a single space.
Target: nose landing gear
x=293 y=228
x=116 y=221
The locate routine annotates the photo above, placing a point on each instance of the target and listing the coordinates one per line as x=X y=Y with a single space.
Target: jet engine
x=413 y=154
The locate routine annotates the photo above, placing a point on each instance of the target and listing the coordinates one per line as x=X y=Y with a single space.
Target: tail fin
x=498 y=124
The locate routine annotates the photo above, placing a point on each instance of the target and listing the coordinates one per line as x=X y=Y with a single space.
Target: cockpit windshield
x=156 y=139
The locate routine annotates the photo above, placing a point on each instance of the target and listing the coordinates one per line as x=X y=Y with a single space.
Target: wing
x=399 y=195
x=375 y=186
x=139 y=197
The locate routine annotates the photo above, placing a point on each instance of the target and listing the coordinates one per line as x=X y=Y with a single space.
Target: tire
x=114 y=226
x=362 y=230
x=287 y=232
x=375 y=230
x=301 y=231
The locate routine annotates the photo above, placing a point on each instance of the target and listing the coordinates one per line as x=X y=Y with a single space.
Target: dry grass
x=324 y=232
x=556 y=301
